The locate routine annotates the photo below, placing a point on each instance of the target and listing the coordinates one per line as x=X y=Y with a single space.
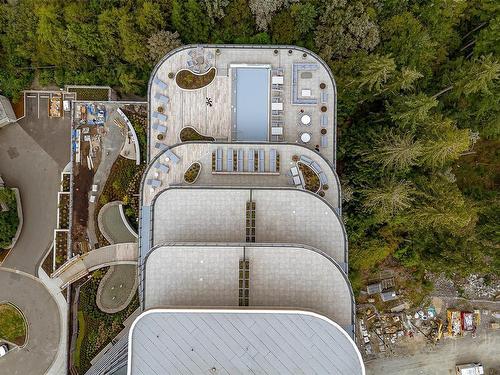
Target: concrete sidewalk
x=60 y=363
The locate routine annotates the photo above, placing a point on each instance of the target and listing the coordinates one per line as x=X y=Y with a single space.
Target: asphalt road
x=32 y=155
x=485 y=348
x=42 y=314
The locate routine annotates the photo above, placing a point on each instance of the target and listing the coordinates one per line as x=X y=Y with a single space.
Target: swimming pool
x=251 y=101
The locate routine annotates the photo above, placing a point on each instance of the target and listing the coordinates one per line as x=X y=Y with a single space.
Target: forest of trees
x=418 y=102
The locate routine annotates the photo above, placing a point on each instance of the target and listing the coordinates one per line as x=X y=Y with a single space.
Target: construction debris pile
x=381 y=333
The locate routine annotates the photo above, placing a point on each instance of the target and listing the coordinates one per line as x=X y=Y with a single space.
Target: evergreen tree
x=389 y=198
x=397 y=151
x=377 y=72
x=412 y=109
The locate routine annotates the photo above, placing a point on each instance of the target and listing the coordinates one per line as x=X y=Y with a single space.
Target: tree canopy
x=418 y=101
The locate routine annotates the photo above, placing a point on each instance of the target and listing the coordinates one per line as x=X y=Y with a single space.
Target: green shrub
x=9 y=220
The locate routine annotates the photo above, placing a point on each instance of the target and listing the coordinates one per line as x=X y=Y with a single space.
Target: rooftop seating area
x=255 y=161
x=299 y=68
x=240 y=164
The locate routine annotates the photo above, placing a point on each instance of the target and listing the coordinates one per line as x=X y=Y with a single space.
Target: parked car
x=3 y=350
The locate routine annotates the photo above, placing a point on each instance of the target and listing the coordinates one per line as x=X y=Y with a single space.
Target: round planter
x=323 y=109
x=295 y=158
x=322 y=85
x=160 y=137
x=323 y=131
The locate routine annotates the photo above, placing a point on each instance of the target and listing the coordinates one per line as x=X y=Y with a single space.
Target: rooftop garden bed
x=61 y=247
x=311 y=179
x=100 y=94
x=96 y=328
x=192 y=173
x=12 y=324
x=63 y=211
x=123 y=184
x=138 y=118
x=191 y=134
x=188 y=80
x=48 y=262
x=65 y=182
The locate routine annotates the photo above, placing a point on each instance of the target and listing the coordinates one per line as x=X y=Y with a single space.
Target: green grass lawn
x=79 y=339
x=12 y=324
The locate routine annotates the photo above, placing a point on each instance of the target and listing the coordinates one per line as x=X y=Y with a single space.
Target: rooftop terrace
x=241 y=164
x=301 y=96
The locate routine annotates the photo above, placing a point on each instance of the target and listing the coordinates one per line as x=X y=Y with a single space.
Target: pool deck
x=189 y=108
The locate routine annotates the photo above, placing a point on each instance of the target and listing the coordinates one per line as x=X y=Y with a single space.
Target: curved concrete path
x=44 y=324
x=78 y=267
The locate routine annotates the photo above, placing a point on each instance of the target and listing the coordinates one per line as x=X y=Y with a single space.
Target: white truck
x=469 y=369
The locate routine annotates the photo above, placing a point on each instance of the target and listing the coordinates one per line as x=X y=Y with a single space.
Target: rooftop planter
x=191 y=134
x=311 y=179
x=189 y=80
x=192 y=173
x=61 y=247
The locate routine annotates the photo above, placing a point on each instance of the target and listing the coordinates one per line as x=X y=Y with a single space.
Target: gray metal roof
x=279 y=276
x=240 y=342
x=219 y=215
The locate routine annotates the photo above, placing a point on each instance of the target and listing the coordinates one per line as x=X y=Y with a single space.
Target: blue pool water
x=252 y=104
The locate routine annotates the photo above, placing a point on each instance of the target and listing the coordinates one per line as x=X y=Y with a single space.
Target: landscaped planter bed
x=98 y=328
x=12 y=324
x=188 y=80
x=65 y=183
x=61 y=245
x=190 y=134
x=311 y=179
x=192 y=173
x=63 y=211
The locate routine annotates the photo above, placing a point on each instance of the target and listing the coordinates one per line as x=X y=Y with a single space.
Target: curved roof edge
x=157 y=156
x=243 y=311
x=264 y=244
x=339 y=218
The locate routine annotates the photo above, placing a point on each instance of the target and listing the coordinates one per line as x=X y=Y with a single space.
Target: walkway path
x=78 y=267
x=44 y=324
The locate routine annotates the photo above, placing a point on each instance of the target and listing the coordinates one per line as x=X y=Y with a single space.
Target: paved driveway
x=485 y=348
x=42 y=315
x=32 y=155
